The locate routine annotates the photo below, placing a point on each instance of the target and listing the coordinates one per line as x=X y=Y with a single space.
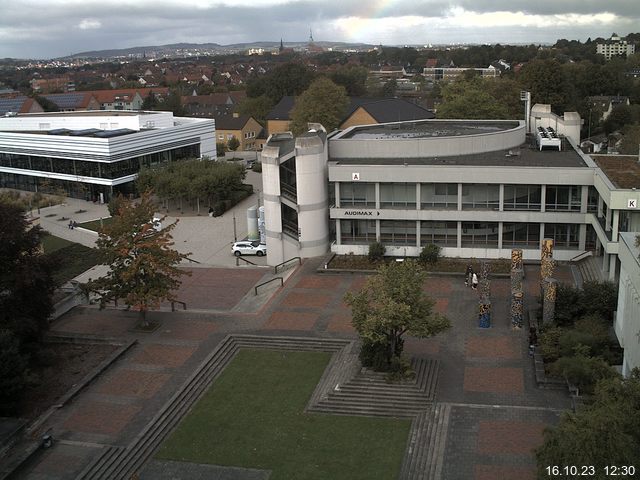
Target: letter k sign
x=632 y=203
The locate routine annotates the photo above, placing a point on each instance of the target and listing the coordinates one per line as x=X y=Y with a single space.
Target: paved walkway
x=497 y=413
x=207 y=239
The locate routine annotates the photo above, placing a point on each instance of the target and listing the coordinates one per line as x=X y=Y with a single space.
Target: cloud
x=48 y=28
x=89 y=24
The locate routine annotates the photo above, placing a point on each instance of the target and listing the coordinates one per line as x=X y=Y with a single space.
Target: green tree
x=604 y=433
x=26 y=284
x=150 y=102
x=143 y=268
x=353 y=78
x=471 y=99
x=546 y=81
x=286 y=79
x=392 y=304
x=13 y=373
x=630 y=140
x=233 y=144
x=389 y=88
x=323 y=102
x=257 y=107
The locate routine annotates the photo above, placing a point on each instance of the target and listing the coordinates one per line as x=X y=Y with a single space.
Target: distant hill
x=182 y=48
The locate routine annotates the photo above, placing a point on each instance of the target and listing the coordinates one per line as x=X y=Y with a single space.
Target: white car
x=249 y=248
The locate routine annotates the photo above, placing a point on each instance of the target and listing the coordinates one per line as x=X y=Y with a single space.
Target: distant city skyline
x=56 y=28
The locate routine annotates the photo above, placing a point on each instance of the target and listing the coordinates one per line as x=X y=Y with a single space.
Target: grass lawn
x=70 y=259
x=95 y=224
x=253 y=417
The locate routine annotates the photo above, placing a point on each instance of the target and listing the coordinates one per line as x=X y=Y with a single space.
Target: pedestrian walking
x=75 y=225
x=467 y=275
x=474 y=281
x=70 y=224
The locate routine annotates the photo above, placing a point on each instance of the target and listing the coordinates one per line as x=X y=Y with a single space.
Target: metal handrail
x=173 y=306
x=244 y=260
x=275 y=269
x=586 y=254
x=255 y=289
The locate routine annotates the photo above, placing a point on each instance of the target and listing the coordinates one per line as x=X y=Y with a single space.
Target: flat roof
x=526 y=155
x=622 y=170
x=427 y=129
x=90 y=113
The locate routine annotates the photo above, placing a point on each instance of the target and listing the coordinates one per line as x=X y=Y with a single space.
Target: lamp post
x=235 y=233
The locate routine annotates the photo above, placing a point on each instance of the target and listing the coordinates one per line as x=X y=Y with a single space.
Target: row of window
x=83 y=168
x=445 y=234
x=474 y=196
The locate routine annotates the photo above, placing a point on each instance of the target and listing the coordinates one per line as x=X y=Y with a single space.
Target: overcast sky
x=52 y=28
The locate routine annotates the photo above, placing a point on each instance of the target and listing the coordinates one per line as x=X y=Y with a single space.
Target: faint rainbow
x=371 y=10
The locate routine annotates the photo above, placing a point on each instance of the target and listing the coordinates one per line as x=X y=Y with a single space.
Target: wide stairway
x=369 y=393
x=589 y=269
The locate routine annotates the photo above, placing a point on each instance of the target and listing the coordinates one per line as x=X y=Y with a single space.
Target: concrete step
x=365 y=411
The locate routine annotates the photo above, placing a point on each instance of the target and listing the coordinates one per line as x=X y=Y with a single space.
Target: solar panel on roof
x=113 y=133
x=59 y=131
x=11 y=104
x=66 y=100
x=87 y=132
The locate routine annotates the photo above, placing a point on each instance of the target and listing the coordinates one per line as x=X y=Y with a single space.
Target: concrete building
x=614 y=47
x=627 y=317
x=475 y=188
x=437 y=74
x=94 y=155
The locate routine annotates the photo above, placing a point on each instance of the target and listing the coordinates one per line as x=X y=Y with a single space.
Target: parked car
x=249 y=248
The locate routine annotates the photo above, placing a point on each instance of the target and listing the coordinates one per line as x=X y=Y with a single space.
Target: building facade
x=614 y=47
x=475 y=188
x=94 y=155
x=627 y=317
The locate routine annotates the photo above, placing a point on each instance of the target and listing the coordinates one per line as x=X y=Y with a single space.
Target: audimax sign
x=361 y=213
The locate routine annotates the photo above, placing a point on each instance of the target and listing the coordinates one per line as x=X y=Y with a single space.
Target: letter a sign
x=632 y=203
x=355 y=177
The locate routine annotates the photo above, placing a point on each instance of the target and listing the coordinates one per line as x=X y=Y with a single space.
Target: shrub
x=568 y=305
x=220 y=149
x=376 y=251
x=583 y=371
x=257 y=167
x=600 y=298
x=115 y=204
x=429 y=254
x=549 y=343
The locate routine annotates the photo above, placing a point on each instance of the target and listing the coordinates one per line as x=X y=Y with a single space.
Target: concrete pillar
x=500 y=232
x=418 y=233
x=615 y=224
x=607 y=221
x=501 y=204
x=338 y=232
x=582 y=237
x=418 y=197
x=600 y=204
x=541 y=235
x=543 y=201
x=605 y=262
x=272 y=210
x=377 y=230
x=584 y=199
x=337 y=193
x=378 y=199
x=459 y=197
x=459 y=240
x=613 y=260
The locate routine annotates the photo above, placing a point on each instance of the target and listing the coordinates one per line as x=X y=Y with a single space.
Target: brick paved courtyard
x=497 y=413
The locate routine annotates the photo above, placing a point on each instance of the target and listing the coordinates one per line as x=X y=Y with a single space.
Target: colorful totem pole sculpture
x=484 y=304
x=547 y=283
x=517 y=292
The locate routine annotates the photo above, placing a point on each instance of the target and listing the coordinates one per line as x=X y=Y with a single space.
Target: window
x=398 y=232
x=444 y=234
x=592 y=199
x=220 y=137
x=522 y=197
x=565 y=235
x=357 y=195
x=398 y=195
x=439 y=195
x=519 y=235
x=477 y=234
x=477 y=196
x=357 y=232
x=563 y=198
